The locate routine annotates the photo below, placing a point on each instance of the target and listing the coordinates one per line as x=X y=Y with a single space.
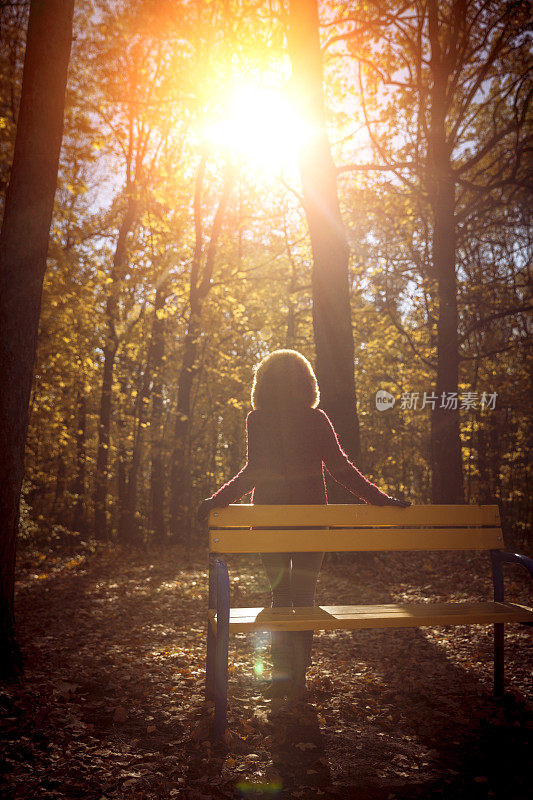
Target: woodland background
x=174 y=264
x=394 y=252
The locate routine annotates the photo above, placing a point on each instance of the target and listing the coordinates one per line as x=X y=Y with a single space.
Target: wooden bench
x=350 y=528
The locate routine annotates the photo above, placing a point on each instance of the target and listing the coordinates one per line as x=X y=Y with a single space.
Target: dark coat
x=286 y=455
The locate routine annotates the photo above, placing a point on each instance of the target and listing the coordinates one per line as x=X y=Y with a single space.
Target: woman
x=289 y=441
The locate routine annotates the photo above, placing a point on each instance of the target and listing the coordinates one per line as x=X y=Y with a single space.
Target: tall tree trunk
x=123 y=428
x=23 y=247
x=447 y=468
x=104 y=427
x=122 y=476
x=57 y=507
x=129 y=528
x=180 y=466
x=151 y=386
x=446 y=461
x=157 y=487
x=79 y=521
x=484 y=491
x=200 y=284
x=331 y=299
x=292 y=288
x=110 y=352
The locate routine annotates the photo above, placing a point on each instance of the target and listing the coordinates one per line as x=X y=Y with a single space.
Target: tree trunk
x=157 y=485
x=57 y=507
x=23 y=248
x=157 y=488
x=447 y=469
x=122 y=475
x=200 y=284
x=129 y=528
x=110 y=352
x=79 y=521
x=446 y=461
x=331 y=299
x=180 y=467
x=484 y=490
x=102 y=458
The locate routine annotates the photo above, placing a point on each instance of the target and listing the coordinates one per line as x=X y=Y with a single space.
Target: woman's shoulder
x=312 y=417
x=305 y=413
x=253 y=417
x=322 y=422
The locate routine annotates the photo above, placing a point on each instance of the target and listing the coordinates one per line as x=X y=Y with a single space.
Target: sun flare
x=261 y=126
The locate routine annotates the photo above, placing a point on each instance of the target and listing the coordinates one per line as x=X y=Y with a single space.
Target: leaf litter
x=112 y=702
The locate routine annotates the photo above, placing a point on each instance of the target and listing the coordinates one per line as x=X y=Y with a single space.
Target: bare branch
x=484 y=321
x=376 y=167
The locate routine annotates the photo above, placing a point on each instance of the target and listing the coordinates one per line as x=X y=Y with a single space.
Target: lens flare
x=260 y=125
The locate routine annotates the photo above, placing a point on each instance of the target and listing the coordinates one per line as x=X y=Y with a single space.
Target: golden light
x=261 y=126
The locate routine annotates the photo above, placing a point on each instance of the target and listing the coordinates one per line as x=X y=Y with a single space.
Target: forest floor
x=111 y=704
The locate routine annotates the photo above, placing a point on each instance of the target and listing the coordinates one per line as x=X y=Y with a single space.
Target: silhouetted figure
x=289 y=441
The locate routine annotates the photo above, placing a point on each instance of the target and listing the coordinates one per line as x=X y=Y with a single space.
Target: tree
x=13 y=24
x=445 y=98
x=201 y=275
x=23 y=248
x=331 y=300
x=159 y=75
x=138 y=54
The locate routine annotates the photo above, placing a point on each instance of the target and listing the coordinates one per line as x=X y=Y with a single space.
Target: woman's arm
x=341 y=468
x=245 y=480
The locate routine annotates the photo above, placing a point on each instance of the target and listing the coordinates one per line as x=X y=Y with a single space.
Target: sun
x=260 y=125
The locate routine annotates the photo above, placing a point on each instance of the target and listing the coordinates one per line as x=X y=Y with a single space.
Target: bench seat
x=390 y=615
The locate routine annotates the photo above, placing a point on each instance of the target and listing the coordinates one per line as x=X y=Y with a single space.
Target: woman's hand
x=203 y=509
x=395 y=501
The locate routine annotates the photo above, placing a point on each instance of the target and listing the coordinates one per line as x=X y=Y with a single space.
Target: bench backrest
x=336 y=528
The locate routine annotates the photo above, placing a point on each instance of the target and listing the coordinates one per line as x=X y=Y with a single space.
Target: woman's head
x=284 y=378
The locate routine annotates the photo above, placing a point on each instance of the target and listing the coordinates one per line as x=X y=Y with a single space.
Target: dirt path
x=112 y=703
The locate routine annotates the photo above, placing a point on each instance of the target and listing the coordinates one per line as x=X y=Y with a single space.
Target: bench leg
x=497 y=580
x=498 y=659
x=211 y=638
x=222 y=641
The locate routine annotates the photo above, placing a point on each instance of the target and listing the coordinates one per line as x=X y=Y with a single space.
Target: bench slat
x=353 y=540
x=402 y=615
x=346 y=515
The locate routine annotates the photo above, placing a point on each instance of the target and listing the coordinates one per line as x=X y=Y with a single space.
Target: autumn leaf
x=121 y=714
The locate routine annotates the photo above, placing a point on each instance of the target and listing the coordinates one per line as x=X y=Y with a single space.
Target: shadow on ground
x=112 y=704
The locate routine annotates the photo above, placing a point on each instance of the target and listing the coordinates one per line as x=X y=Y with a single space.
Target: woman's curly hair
x=284 y=378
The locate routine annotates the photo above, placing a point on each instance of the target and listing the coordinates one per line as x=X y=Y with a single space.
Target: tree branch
x=377 y=167
x=481 y=323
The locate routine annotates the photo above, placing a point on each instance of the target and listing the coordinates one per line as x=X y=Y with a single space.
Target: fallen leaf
x=121 y=714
